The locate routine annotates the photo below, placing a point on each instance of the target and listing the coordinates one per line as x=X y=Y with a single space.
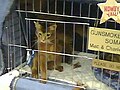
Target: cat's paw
x=43 y=80
x=59 y=68
x=34 y=73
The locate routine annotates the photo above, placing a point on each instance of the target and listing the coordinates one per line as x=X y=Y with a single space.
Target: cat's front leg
x=43 y=67
x=58 y=62
x=34 y=67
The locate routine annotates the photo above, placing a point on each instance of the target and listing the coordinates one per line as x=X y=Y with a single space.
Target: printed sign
x=106 y=64
x=106 y=40
x=110 y=9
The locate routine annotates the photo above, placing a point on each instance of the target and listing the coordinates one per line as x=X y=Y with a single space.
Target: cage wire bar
x=19 y=35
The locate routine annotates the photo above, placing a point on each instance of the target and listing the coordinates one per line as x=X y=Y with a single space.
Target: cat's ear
x=52 y=27
x=37 y=25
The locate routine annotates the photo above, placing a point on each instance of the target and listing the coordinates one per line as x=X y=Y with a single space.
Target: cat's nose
x=43 y=41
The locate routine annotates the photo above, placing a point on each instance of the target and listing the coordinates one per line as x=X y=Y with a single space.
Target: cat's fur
x=53 y=38
x=64 y=43
x=46 y=42
x=49 y=39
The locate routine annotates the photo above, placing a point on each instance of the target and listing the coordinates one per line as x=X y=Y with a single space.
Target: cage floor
x=83 y=74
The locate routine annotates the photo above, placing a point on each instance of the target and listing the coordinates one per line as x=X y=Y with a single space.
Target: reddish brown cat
x=46 y=42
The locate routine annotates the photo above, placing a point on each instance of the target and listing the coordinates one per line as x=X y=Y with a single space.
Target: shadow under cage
x=51 y=37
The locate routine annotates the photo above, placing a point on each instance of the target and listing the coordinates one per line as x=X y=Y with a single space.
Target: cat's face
x=45 y=35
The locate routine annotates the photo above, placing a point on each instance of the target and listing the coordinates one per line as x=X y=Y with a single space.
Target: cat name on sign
x=105 y=40
x=110 y=9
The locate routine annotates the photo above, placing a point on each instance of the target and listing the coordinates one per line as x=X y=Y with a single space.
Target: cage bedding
x=84 y=74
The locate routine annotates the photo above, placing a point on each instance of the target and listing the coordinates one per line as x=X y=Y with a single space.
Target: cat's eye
x=40 y=34
x=48 y=34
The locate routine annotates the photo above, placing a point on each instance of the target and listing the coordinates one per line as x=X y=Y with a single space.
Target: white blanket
x=83 y=74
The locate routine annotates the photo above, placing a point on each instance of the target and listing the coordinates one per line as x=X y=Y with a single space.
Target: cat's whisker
x=35 y=43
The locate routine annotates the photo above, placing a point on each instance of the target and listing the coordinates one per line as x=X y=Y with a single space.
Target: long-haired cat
x=46 y=42
x=51 y=38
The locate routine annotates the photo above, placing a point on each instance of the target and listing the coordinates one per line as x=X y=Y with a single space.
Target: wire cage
x=36 y=31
